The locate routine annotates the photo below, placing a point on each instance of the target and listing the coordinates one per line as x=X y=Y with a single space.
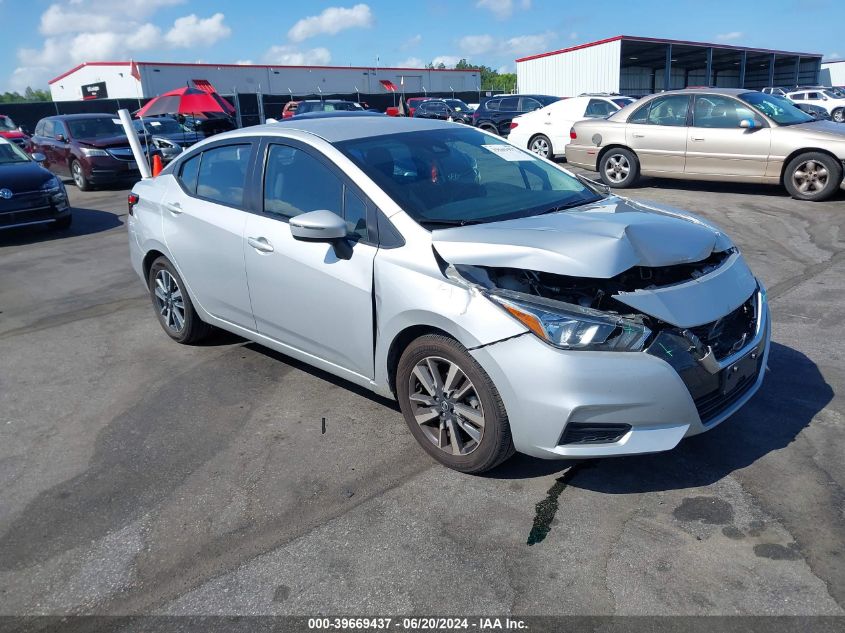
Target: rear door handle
x=638 y=135
x=173 y=207
x=696 y=138
x=260 y=244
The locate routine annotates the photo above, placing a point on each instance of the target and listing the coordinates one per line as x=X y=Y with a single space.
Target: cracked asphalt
x=144 y=477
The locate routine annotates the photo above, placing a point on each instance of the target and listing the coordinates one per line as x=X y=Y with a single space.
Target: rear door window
x=222 y=174
x=509 y=104
x=671 y=110
x=529 y=105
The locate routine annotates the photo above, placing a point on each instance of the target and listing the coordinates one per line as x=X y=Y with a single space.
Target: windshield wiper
x=427 y=223
x=568 y=205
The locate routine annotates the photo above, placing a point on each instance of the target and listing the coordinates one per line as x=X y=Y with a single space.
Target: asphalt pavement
x=141 y=476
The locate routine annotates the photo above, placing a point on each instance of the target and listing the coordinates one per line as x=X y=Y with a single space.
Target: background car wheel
x=838 y=115
x=619 y=167
x=63 y=224
x=542 y=146
x=451 y=406
x=812 y=176
x=173 y=306
x=489 y=128
x=79 y=177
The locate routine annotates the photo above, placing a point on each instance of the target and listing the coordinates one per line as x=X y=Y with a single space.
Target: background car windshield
x=623 y=102
x=6 y=124
x=101 y=127
x=11 y=153
x=163 y=126
x=781 y=111
x=463 y=176
x=832 y=94
x=457 y=105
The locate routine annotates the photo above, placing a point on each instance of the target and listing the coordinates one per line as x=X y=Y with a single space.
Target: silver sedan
x=507 y=304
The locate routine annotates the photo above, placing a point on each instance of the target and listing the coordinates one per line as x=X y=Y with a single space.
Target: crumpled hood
x=599 y=240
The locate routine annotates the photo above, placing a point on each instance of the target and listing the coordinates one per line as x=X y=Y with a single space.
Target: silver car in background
x=507 y=304
x=721 y=134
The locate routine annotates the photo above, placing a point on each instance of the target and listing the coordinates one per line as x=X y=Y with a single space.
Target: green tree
x=28 y=95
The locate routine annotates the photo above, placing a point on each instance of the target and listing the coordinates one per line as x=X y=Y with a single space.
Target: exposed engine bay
x=596 y=294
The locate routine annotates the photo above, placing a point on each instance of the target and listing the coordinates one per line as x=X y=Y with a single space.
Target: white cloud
x=519 y=45
x=505 y=69
x=412 y=42
x=447 y=60
x=411 y=62
x=476 y=44
x=96 y=30
x=332 y=21
x=244 y=62
x=290 y=56
x=729 y=37
x=503 y=9
x=833 y=56
x=190 y=31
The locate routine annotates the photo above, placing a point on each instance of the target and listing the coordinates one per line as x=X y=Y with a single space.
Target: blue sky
x=51 y=36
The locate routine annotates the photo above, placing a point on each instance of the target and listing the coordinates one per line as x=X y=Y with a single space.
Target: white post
x=134 y=143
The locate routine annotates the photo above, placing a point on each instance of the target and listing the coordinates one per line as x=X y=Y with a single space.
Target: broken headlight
x=572 y=327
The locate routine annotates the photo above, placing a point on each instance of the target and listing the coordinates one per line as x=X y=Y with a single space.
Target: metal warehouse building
x=116 y=80
x=833 y=73
x=642 y=65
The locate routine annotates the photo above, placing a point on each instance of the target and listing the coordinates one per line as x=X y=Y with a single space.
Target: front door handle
x=696 y=138
x=639 y=135
x=260 y=244
x=173 y=207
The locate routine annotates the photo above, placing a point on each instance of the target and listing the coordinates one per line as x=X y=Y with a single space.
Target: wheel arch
x=607 y=148
x=807 y=150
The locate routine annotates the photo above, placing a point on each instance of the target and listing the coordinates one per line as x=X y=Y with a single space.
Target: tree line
x=28 y=95
x=490 y=79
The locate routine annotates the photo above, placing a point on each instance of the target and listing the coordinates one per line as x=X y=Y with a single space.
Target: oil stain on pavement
x=547 y=508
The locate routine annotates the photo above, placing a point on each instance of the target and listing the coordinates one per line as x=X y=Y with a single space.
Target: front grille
x=24 y=201
x=711 y=405
x=581 y=433
x=22 y=217
x=730 y=333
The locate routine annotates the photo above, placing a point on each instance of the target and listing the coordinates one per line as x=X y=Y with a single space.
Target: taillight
x=132 y=199
x=514 y=124
x=572 y=134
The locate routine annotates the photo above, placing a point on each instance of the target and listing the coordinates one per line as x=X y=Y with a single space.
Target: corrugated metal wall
x=590 y=69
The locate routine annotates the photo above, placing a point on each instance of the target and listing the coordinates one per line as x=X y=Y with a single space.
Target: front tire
x=838 y=115
x=619 y=168
x=812 y=176
x=542 y=146
x=79 y=177
x=173 y=306
x=451 y=405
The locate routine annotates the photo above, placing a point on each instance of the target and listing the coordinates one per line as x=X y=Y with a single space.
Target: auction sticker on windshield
x=509 y=152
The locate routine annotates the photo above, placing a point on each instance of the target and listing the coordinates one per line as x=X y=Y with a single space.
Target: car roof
x=87 y=115
x=729 y=92
x=343 y=128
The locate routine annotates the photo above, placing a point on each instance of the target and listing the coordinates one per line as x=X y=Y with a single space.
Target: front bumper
x=32 y=208
x=546 y=391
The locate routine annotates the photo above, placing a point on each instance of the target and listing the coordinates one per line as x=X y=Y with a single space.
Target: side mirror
x=61 y=138
x=320 y=226
x=748 y=124
x=39 y=158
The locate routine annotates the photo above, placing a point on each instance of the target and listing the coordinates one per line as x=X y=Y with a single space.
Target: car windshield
x=457 y=105
x=11 y=153
x=6 y=124
x=462 y=176
x=832 y=94
x=780 y=110
x=99 y=127
x=160 y=126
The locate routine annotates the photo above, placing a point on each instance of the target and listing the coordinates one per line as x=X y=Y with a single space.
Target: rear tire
x=451 y=405
x=489 y=128
x=79 y=178
x=542 y=146
x=173 y=306
x=619 y=168
x=812 y=176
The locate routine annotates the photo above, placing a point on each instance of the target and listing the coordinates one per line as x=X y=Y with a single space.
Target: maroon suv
x=90 y=148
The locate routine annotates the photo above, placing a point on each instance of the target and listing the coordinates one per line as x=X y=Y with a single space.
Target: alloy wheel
x=169 y=301
x=810 y=177
x=78 y=177
x=445 y=404
x=839 y=115
x=540 y=146
x=616 y=168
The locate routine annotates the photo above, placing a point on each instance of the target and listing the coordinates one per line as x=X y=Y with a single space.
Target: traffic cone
x=157 y=166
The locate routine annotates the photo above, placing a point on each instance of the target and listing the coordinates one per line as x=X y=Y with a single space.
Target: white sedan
x=546 y=131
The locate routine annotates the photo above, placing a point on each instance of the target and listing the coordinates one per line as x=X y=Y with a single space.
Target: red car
x=10 y=132
x=411 y=105
x=290 y=109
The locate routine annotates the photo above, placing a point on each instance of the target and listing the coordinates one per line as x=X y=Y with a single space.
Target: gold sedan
x=722 y=134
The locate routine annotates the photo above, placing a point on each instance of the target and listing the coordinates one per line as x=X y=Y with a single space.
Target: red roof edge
x=658 y=40
x=83 y=64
